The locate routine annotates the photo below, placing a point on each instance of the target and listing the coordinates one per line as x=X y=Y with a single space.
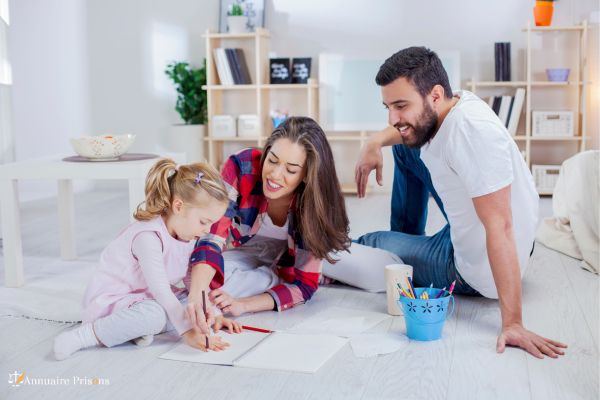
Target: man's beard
x=425 y=129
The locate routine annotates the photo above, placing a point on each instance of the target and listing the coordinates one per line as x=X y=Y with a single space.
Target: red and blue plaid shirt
x=298 y=268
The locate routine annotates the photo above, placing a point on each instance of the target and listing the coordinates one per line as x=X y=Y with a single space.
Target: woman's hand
x=226 y=303
x=195 y=339
x=194 y=312
x=226 y=324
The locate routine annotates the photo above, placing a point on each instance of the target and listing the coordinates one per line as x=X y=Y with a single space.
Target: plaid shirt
x=298 y=268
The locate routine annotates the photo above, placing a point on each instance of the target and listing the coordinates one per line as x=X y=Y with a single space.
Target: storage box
x=552 y=123
x=247 y=125
x=223 y=126
x=545 y=177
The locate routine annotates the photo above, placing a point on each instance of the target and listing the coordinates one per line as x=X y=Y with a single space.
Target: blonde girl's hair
x=192 y=183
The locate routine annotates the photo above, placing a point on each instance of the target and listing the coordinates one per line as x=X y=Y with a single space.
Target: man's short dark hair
x=420 y=66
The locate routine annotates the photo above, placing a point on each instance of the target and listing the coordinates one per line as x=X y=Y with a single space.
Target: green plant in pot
x=191 y=105
x=236 y=20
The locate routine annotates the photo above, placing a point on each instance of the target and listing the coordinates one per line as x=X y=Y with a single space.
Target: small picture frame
x=253 y=9
x=279 y=70
x=301 y=70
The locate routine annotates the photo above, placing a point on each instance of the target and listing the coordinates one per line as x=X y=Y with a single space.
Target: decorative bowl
x=557 y=74
x=102 y=148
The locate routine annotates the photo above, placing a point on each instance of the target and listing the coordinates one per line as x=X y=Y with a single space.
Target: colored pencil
x=452 y=287
x=204 y=310
x=252 y=328
x=440 y=293
x=411 y=286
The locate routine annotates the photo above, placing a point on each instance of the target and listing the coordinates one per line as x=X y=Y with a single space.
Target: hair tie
x=199 y=177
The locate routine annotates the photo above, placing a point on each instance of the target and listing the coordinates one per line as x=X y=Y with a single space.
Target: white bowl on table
x=102 y=148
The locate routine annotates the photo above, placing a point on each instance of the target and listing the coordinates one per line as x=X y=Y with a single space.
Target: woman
x=286 y=214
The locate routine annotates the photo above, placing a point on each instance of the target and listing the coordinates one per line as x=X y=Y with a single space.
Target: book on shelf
x=240 y=60
x=232 y=67
x=515 y=112
x=237 y=77
x=508 y=109
x=504 y=109
x=502 y=61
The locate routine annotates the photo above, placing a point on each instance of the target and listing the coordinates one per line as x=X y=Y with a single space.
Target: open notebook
x=275 y=351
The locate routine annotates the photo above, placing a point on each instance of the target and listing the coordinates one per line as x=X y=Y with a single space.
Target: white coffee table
x=63 y=172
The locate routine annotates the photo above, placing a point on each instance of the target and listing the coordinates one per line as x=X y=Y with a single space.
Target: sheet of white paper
x=240 y=343
x=372 y=344
x=292 y=352
x=340 y=321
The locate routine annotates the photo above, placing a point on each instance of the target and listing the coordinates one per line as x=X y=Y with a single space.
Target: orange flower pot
x=542 y=13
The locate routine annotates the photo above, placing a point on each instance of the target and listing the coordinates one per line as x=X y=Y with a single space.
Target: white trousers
x=250 y=269
x=363 y=267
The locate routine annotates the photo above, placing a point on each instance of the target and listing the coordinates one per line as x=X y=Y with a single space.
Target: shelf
x=497 y=83
x=303 y=86
x=250 y=35
x=556 y=138
x=542 y=193
x=554 y=28
x=520 y=83
x=233 y=139
x=341 y=138
x=229 y=87
x=519 y=137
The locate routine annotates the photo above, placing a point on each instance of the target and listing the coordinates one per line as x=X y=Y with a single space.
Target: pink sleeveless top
x=118 y=282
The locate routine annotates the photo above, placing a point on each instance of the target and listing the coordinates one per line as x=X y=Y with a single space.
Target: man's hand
x=518 y=336
x=226 y=303
x=195 y=314
x=370 y=159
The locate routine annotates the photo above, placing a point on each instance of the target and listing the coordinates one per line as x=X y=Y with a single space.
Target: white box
x=223 y=126
x=552 y=123
x=247 y=125
x=545 y=177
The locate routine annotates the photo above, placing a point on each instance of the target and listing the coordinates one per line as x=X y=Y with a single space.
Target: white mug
x=394 y=274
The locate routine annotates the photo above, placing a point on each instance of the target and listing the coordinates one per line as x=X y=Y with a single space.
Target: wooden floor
x=560 y=301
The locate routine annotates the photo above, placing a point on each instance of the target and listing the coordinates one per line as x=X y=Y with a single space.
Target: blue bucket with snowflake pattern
x=425 y=318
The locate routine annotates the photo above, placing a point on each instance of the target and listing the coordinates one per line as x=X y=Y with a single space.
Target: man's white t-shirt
x=472 y=155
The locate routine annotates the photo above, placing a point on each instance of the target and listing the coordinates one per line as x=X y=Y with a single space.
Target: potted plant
x=542 y=12
x=192 y=107
x=236 y=20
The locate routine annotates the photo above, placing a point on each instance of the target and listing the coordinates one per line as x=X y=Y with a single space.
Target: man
x=456 y=149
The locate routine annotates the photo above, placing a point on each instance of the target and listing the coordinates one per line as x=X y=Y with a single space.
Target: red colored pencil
x=251 y=328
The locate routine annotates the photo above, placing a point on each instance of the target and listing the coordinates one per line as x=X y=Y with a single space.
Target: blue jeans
x=432 y=257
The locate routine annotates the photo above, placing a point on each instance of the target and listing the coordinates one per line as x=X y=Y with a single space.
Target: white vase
x=188 y=139
x=237 y=23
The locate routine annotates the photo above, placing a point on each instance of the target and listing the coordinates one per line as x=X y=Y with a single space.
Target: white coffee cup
x=394 y=274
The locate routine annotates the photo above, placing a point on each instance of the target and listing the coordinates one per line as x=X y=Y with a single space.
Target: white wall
x=50 y=94
x=131 y=42
x=94 y=67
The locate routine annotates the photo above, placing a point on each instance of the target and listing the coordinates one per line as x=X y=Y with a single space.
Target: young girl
x=130 y=296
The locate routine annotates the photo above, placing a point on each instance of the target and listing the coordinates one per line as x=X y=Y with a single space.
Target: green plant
x=236 y=10
x=191 y=99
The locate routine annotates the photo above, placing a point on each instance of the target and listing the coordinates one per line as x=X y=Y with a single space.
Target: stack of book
x=508 y=109
x=502 y=61
x=231 y=66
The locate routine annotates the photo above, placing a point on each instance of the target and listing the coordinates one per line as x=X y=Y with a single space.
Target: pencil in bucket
x=426 y=312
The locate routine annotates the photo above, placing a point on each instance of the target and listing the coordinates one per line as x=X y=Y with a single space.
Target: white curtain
x=6 y=139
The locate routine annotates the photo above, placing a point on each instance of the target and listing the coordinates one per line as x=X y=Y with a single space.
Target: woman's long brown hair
x=320 y=212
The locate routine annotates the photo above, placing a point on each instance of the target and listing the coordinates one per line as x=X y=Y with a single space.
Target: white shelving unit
x=249 y=99
x=578 y=84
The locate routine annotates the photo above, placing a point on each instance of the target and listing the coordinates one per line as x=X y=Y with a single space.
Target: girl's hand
x=226 y=303
x=226 y=324
x=194 y=312
x=197 y=340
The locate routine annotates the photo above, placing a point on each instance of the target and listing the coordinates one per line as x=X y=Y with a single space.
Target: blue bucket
x=425 y=318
